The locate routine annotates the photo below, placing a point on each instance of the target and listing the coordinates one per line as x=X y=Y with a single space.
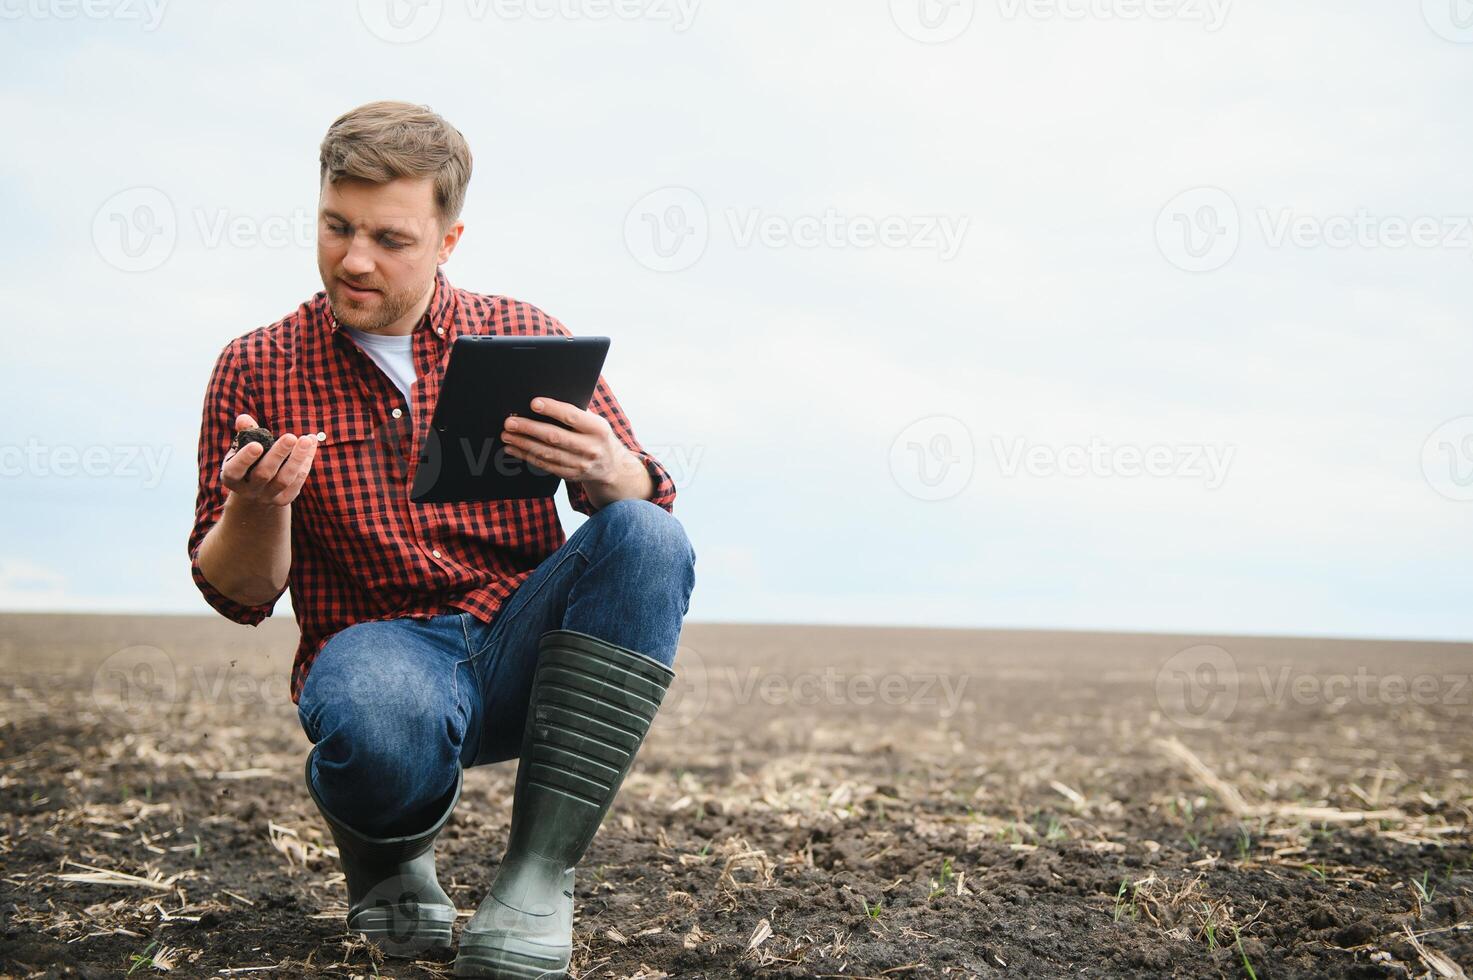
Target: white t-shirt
x=394 y=354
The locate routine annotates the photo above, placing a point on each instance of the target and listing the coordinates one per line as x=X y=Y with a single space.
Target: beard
x=375 y=313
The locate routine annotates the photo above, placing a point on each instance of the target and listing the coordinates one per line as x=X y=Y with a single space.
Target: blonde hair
x=380 y=141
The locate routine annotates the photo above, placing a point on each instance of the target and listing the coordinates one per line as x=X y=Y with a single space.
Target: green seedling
x=1247 y=967
x=143 y=958
x=940 y=887
x=1245 y=844
x=1120 y=903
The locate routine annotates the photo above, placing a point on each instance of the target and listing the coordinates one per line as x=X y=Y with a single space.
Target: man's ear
x=448 y=243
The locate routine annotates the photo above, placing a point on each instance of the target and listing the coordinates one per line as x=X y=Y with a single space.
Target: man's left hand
x=587 y=451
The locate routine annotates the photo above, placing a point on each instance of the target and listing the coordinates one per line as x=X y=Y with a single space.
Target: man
x=435 y=636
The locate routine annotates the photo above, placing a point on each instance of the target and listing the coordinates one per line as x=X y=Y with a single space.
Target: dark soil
x=1039 y=825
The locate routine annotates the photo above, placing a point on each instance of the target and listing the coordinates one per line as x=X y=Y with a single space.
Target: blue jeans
x=396 y=707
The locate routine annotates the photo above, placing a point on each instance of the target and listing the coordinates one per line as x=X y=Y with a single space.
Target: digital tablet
x=487 y=380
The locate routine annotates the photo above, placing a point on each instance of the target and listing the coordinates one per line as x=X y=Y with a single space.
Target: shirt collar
x=437 y=320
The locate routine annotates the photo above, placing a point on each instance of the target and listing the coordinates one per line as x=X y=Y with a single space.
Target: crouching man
x=435 y=637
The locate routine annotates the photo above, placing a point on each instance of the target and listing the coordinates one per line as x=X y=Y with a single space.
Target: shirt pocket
x=360 y=469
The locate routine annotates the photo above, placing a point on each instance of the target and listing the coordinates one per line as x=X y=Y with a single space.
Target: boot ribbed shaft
x=591 y=706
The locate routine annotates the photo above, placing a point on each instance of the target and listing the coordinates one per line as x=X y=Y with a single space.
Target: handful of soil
x=258 y=434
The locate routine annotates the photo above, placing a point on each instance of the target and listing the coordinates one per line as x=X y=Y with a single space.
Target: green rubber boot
x=394 y=897
x=591 y=705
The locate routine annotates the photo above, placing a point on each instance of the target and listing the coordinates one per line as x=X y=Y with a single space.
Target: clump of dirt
x=259 y=435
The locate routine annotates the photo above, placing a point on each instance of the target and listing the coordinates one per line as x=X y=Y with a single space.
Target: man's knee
x=387 y=726
x=649 y=528
x=381 y=767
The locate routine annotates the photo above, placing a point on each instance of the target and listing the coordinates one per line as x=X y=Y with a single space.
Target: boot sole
x=507 y=965
x=402 y=935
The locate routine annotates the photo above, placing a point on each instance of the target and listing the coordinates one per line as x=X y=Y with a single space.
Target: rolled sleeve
x=663 y=495
x=226 y=606
x=227 y=395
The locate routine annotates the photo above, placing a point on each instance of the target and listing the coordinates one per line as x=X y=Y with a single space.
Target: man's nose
x=359 y=259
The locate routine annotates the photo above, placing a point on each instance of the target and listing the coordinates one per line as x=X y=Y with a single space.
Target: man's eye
x=391 y=243
x=337 y=229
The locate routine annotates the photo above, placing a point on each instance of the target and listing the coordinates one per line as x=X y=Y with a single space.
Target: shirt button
x=436 y=552
x=440 y=331
x=321 y=436
x=397 y=413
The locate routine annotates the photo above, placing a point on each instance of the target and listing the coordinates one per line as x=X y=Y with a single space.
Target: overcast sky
x=1144 y=314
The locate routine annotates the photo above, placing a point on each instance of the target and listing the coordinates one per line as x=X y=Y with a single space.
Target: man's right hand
x=282 y=471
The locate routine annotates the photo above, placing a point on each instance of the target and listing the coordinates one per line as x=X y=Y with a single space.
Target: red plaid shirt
x=360 y=550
